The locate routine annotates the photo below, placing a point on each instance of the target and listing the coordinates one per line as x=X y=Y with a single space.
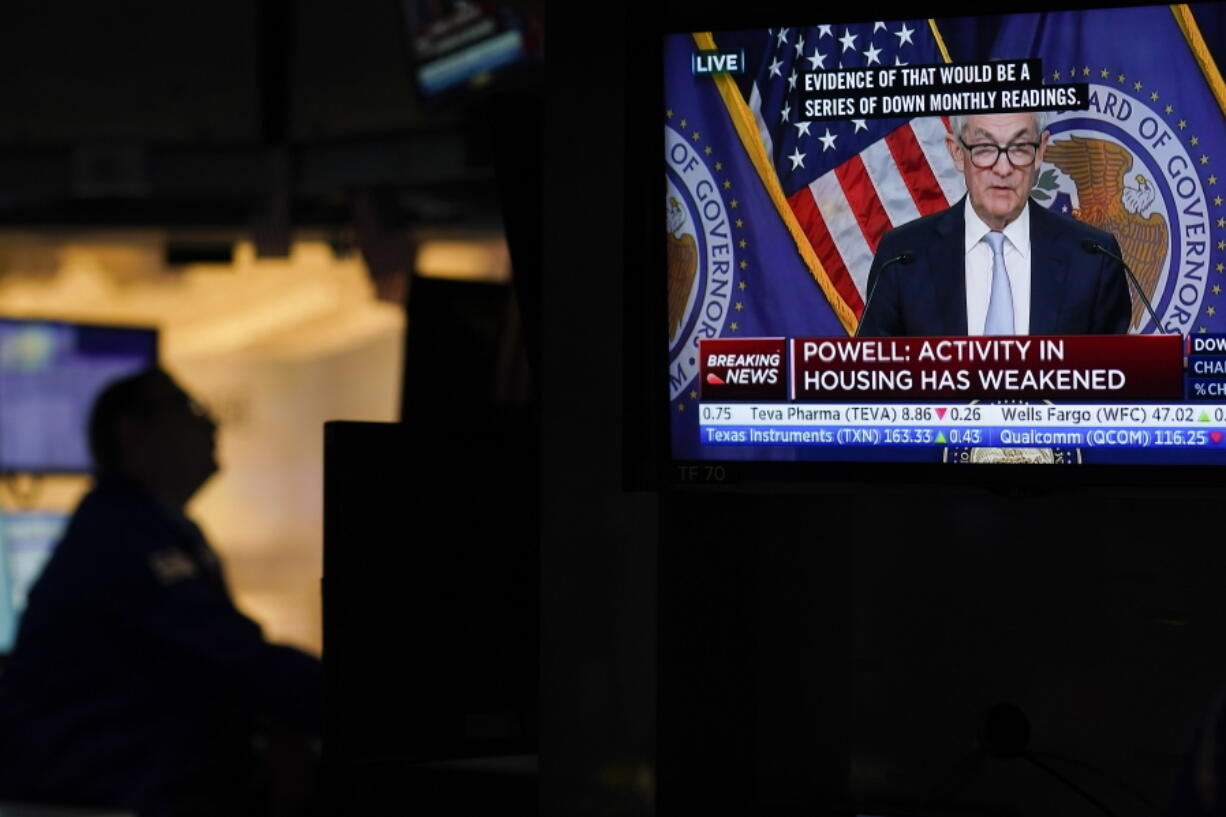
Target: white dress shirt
x=979 y=270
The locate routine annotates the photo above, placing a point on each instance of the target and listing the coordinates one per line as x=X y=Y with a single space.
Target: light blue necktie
x=1000 y=303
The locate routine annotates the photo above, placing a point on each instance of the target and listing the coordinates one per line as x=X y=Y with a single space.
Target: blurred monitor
x=477 y=323
x=26 y=541
x=50 y=375
x=459 y=47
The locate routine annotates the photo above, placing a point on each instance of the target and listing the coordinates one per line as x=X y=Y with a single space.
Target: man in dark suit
x=136 y=684
x=996 y=263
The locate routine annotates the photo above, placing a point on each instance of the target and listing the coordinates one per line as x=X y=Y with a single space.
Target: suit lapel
x=947 y=266
x=1048 y=272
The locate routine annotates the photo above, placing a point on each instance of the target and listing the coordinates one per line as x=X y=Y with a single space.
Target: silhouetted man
x=135 y=682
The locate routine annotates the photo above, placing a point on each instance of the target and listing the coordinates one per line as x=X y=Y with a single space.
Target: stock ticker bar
x=1114 y=392
x=1008 y=437
x=1086 y=425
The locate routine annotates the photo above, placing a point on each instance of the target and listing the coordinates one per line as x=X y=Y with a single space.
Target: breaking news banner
x=777 y=195
x=1128 y=367
x=1123 y=367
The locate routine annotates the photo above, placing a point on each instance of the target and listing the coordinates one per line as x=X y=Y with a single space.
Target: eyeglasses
x=1020 y=154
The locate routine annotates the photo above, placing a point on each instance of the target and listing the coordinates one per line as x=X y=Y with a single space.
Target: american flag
x=846 y=182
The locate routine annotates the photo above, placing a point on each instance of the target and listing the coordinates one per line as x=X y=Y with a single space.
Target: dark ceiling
x=227 y=113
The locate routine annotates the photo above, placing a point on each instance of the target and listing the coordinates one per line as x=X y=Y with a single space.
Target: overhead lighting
x=485 y=260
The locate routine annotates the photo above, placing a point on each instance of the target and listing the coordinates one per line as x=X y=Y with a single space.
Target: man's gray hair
x=1042 y=121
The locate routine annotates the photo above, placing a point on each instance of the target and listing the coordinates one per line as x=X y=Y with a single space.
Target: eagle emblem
x=682 y=265
x=1098 y=167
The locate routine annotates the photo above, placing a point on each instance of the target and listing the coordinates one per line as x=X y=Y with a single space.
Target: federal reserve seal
x=1124 y=166
x=701 y=256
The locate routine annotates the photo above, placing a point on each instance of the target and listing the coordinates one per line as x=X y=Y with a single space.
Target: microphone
x=1091 y=246
x=905 y=257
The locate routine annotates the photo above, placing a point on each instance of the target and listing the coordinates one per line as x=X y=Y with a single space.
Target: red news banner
x=1098 y=367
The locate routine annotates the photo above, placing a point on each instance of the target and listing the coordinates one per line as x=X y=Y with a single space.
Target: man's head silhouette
x=147 y=427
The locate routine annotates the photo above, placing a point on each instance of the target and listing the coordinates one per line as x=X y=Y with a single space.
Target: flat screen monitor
x=832 y=191
x=27 y=540
x=459 y=47
x=50 y=374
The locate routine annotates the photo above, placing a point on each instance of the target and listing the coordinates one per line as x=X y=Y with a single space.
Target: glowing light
x=465 y=260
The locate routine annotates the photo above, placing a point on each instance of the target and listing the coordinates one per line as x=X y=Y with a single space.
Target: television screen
x=992 y=239
x=461 y=46
x=26 y=542
x=50 y=374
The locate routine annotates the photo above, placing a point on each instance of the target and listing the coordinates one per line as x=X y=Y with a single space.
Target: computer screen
x=832 y=194
x=459 y=46
x=50 y=374
x=27 y=540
